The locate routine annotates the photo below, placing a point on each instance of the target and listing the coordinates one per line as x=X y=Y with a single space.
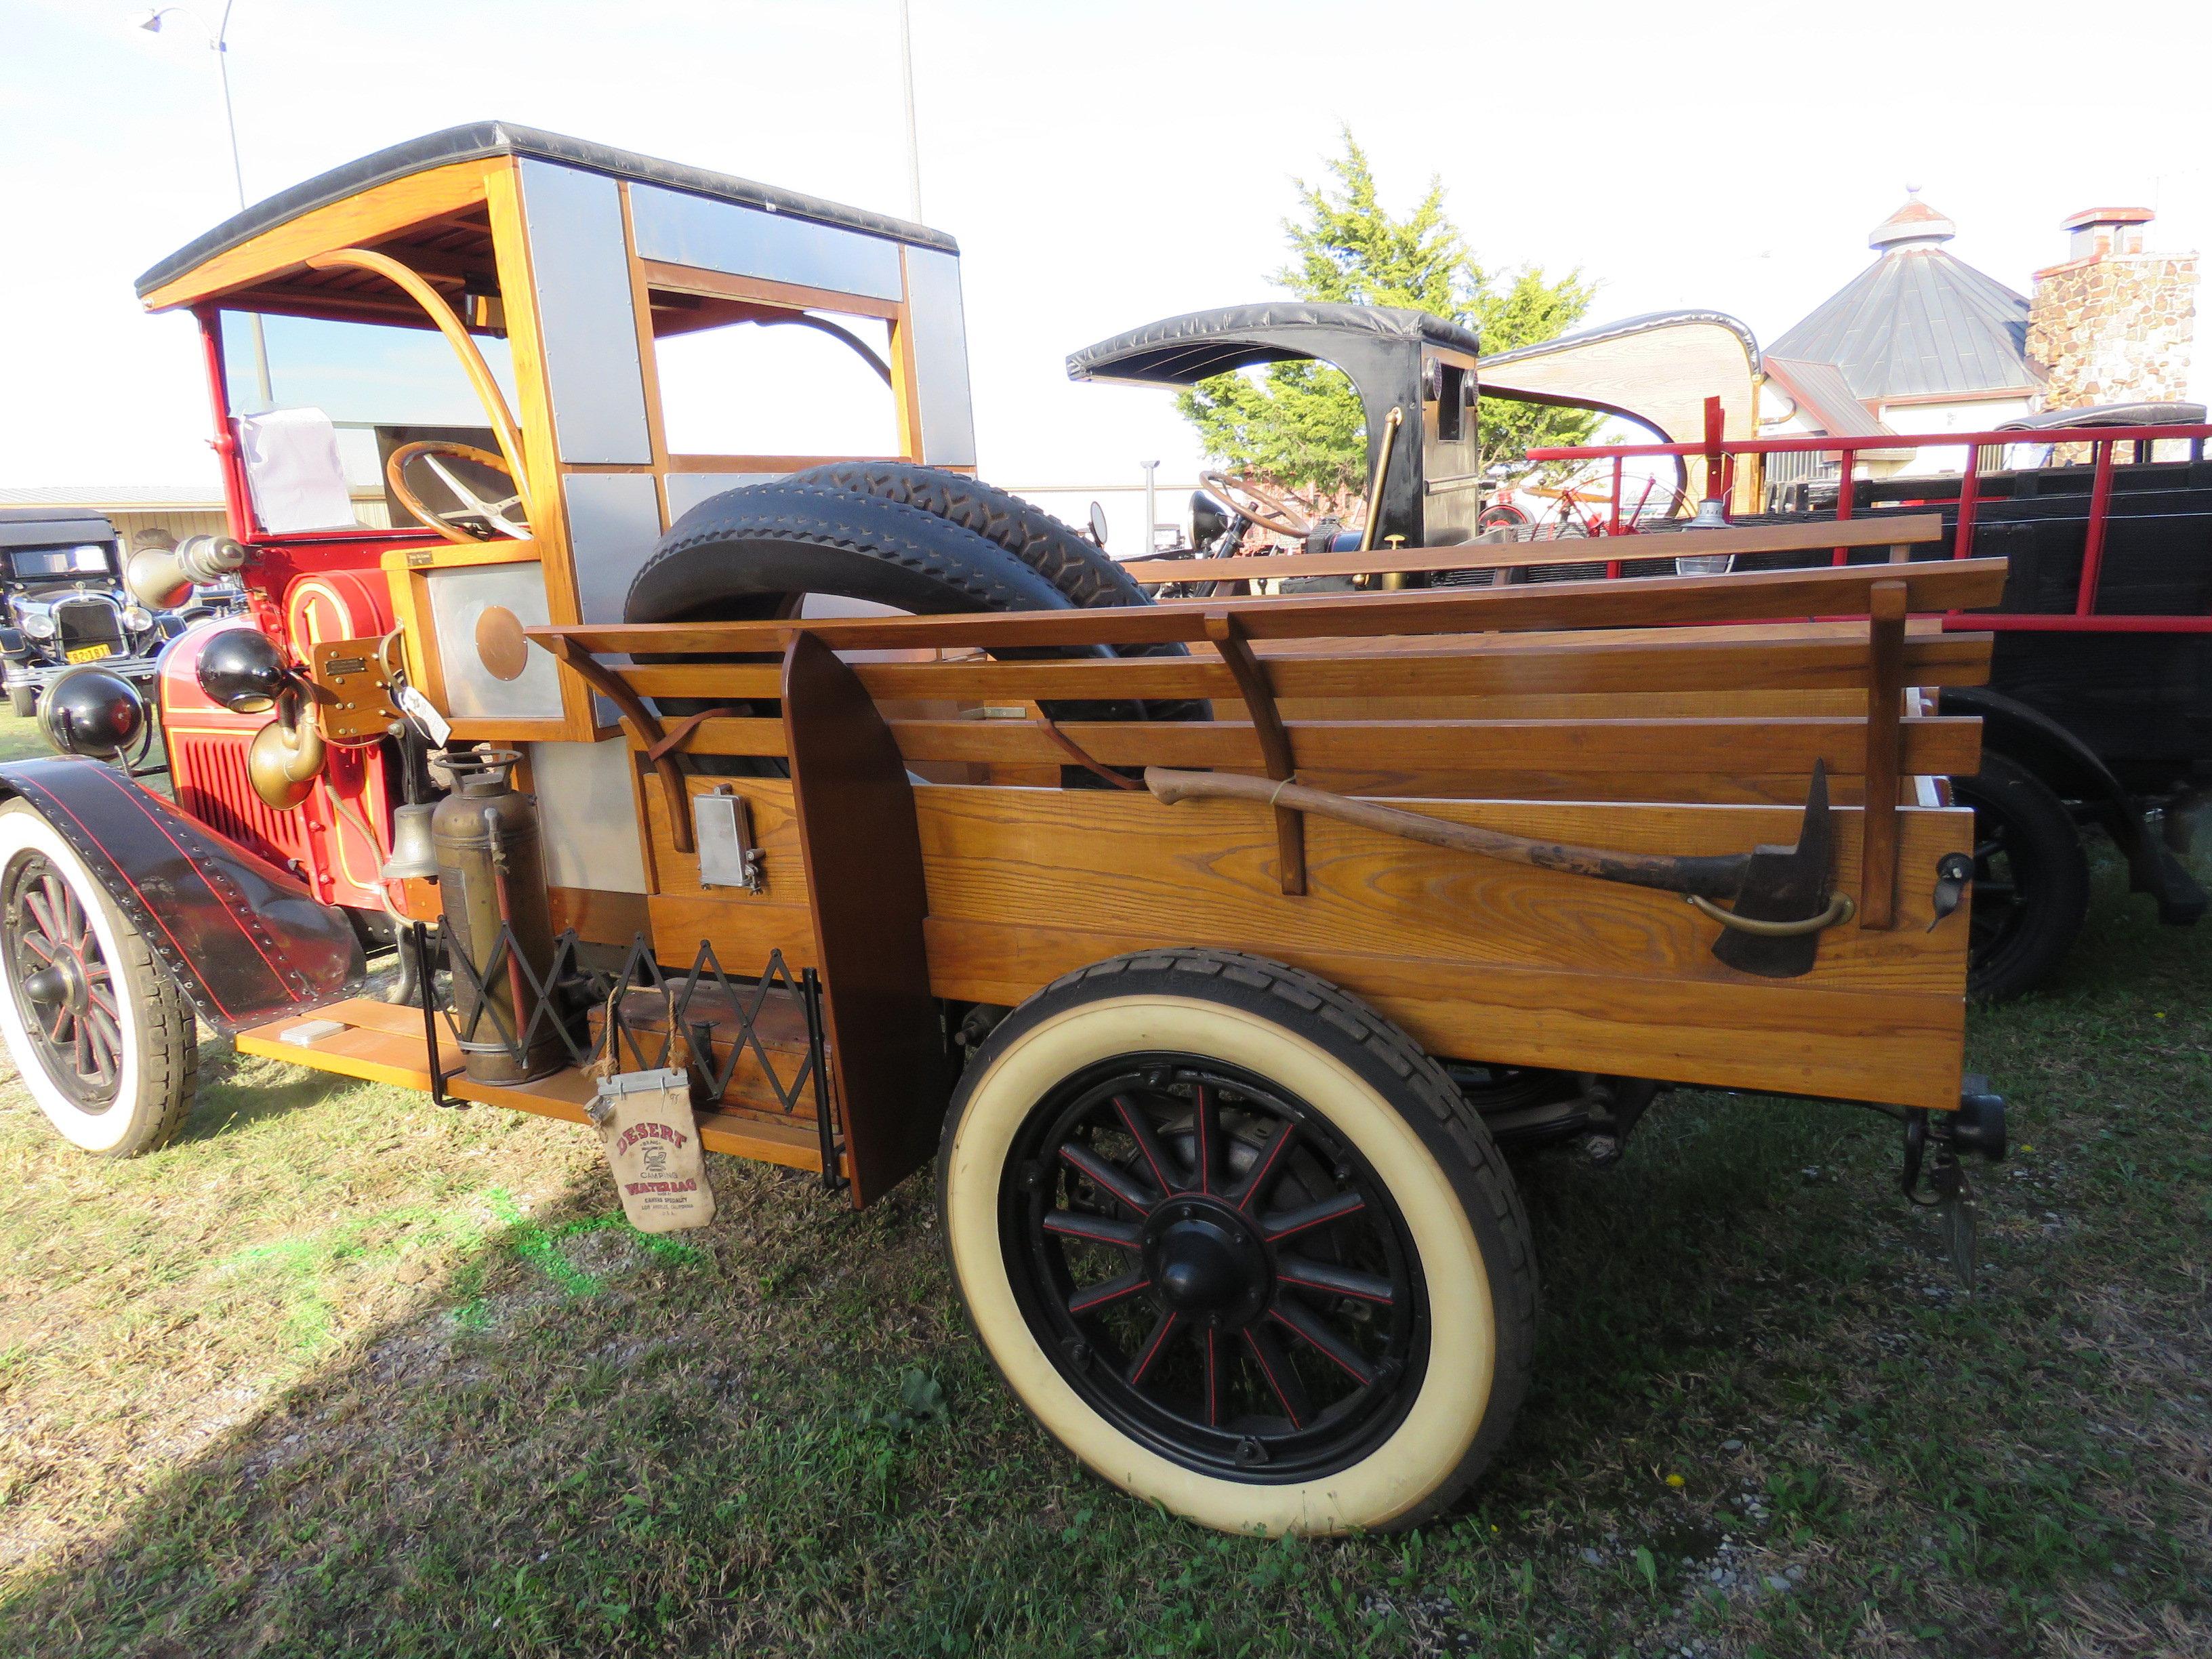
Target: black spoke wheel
x=1216 y=1269
x=64 y=986
x=1239 y=1245
x=2030 y=890
x=103 y=1039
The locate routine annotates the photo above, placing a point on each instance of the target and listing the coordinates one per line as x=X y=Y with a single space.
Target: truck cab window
x=342 y=396
x=777 y=384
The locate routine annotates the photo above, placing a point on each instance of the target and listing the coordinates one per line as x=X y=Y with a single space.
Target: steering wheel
x=473 y=518
x=1263 y=503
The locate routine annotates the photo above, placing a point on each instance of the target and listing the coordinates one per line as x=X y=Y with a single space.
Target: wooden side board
x=1493 y=665
x=1933 y=586
x=1479 y=959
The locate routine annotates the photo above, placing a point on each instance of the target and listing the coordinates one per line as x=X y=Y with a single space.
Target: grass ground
x=341 y=1373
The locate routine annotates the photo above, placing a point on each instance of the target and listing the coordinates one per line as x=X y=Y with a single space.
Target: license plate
x=90 y=652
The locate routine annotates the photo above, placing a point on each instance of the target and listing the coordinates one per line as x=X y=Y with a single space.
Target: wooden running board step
x=382 y=1043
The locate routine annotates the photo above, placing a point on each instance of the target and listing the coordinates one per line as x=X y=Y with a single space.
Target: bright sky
x=1101 y=165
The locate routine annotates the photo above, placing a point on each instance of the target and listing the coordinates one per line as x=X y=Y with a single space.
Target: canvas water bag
x=652 y=1138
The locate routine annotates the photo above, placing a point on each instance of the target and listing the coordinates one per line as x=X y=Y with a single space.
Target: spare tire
x=1074 y=565
x=1072 y=562
x=747 y=553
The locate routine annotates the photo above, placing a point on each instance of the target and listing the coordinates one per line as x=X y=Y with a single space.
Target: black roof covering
x=42 y=526
x=1184 y=351
x=2172 y=414
x=481 y=139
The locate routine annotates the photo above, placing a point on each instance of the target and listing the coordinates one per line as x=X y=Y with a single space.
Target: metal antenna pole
x=913 y=146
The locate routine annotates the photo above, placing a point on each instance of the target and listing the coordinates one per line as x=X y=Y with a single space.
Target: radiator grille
x=212 y=785
x=92 y=621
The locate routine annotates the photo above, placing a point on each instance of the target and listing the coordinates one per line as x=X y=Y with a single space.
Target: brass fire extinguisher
x=491 y=871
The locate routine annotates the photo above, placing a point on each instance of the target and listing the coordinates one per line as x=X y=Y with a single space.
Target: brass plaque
x=353 y=697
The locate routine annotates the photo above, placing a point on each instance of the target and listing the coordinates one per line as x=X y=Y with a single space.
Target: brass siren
x=285 y=756
x=161 y=576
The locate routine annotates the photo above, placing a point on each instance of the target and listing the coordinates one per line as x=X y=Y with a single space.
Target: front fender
x=248 y=943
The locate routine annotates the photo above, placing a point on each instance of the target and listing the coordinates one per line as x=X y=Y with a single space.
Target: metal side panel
x=584 y=812
x=614 y=521
x=579 y=260
x=245 y=941
x=687 y=490
x=458 y=598
x=940 y=358
x=679 y=230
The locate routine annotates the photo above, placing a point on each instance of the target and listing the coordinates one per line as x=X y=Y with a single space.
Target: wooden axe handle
x=1719 y=876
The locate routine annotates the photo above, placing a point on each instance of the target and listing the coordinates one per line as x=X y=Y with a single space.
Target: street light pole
x=219 y=43
x=906 y=81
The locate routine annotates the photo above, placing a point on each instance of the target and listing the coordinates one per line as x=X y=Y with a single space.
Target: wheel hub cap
x=1208 y=1262
x=49 y=987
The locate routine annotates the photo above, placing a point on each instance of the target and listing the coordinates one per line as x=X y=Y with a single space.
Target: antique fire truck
x=1211 y=948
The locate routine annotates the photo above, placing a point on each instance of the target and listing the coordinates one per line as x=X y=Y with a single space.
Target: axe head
x=1785 y=884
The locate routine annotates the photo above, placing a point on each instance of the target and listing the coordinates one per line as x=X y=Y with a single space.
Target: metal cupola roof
x=1918 y=322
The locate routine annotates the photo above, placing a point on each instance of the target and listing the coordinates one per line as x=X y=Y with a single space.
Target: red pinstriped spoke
x=1154 y=1345
x=1310 y=1275
x=1114 y=1290
x=1286 y=1224
x=1310 y=1329
x=1206 y=1135
x=1282 y=1381
x=1108 y=1178
x=1217 y=1378
x=1269 y=1165
x=38 y=942
x=1140 y=1131
x=1122 y=1234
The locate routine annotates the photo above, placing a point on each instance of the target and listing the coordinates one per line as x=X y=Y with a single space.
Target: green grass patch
x=343 y=1373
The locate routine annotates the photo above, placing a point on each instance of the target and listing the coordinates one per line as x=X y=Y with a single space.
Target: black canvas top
x=481 y=139
x=2171 y=414
x=42 y=526
x=1184 y=351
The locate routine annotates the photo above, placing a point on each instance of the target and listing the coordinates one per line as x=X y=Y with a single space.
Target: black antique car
x=61 y=571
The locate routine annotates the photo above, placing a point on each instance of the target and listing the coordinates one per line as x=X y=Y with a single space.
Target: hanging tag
x=420 y=710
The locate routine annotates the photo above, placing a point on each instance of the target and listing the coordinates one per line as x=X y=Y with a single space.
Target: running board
x=382 y=1043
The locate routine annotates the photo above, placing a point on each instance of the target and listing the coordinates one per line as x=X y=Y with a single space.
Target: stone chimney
x=2113 y=324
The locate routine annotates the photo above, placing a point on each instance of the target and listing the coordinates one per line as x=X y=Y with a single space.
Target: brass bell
x=413 y=858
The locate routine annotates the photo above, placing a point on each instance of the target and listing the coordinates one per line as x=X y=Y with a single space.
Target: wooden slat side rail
x=1938 y=746
x=1273 y=743
x=1933 y=586
x=1919 y=528
x=1885 y=709
x=1480 y=667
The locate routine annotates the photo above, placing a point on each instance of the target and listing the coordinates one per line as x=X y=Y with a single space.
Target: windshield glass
x=335 y=399
x=89 y=558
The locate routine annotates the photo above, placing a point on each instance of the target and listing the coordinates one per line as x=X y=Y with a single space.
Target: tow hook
x=1977 y=1128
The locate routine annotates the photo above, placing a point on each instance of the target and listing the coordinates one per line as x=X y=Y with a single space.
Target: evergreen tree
x=1300 y=424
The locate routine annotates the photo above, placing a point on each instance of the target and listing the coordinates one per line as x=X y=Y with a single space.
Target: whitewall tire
x=1239 y=1245
x=98 y=1029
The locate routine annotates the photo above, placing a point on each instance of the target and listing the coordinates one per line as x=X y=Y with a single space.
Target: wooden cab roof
x=356 y=201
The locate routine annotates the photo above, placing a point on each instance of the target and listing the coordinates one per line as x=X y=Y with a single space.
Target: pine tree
x=1300 y=424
